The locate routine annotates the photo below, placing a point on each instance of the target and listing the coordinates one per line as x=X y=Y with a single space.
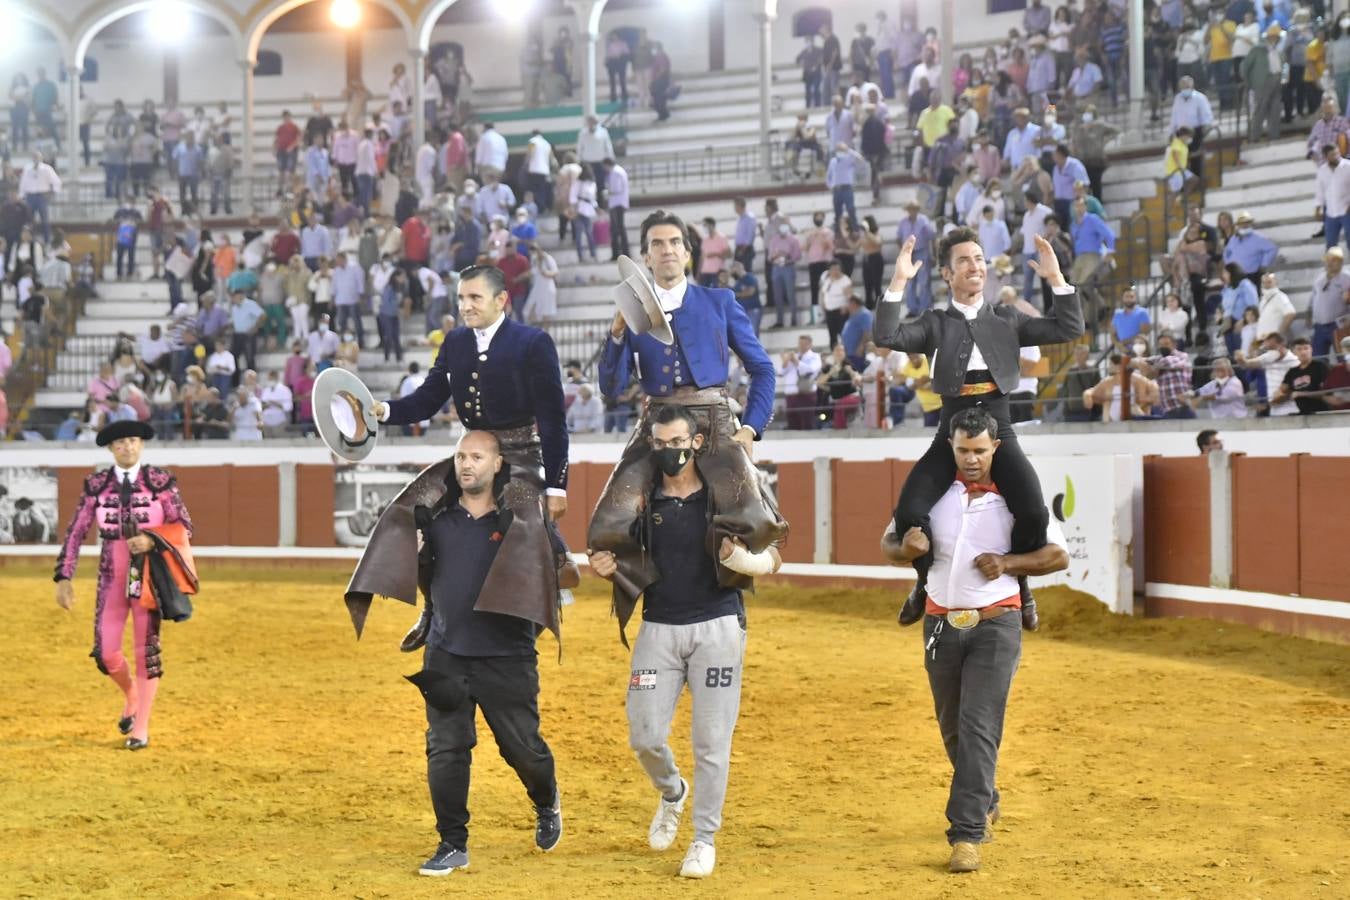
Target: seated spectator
x=1274 y=361
x=586 y=414
x=245 y=416
x=154 y=348
x=1170 y=369
x=1131 y=319
x=103 y=388
x=1250 y=249
x=856 y=333
x=1225 y=392
x=1238 y=294
x=843 y=384
x=1304 y=381
x=1174 y=319
x=1338 y=379
x=1106 y=393
x=1082 y=377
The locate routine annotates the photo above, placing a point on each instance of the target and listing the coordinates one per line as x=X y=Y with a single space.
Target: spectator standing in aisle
x=491 y=154
x=539 y=163
x=784 y=251
x=1330 y=303
x=839 y=124
x=810 y=59
x=715 y=254
x=39 y=184
x=839 y=178
x=914 y=224
x=616 y=183
x=1191 y=109
x=1333 y=195
x=745 y=234
x=189 y=161
x=1262 y=72
x=832 y=62
x=594 y=146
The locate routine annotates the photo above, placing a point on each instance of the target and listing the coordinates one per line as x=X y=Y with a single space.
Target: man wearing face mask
x=707 y=325
x=1250 y=249
x=693 y=632
x=503 y=377
x=1191 y=109
x=976 y=362
x=1089 y=139
x=1262 y=72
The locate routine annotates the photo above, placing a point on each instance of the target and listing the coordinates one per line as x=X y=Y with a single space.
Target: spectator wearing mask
x=1333 y=195
x=919 y=290
x=841 y=381
x=784 y=251
x=586 y=414
x=1262 y=71
x=1190 y=109
x=994 y=237
x=797 y=373
x=1225 y=393
x=1251 y=250
x=1275 y=310
x=1239 y=295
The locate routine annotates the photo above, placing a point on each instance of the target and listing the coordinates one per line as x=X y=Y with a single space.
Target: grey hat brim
x=340 y=394
x=637 y=301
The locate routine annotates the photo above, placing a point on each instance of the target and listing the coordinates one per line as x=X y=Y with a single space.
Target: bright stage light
x=345 y=13
x=170 y=21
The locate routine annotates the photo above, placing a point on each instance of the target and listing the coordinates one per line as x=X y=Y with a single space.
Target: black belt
x=978 y=376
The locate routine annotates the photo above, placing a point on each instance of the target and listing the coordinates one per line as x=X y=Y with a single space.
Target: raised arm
x=1064 y=323
x=887 y=329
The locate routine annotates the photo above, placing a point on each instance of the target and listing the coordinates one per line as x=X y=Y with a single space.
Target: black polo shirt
x=1308 y=378
x=687 y=591
x=465 y=548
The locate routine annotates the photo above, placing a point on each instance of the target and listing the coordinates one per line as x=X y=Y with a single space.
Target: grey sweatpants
x=707 y=655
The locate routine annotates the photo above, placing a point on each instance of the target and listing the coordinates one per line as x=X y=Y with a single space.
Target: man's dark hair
x=1055 y=219
x=951 y=239
x=974 y=421
x=494 y=276
x=1204 y=437
x=414 y=367
x=661 y=217
x=1276 y=337
x=1063 y=148
x=1327 y=148
x=670 y=413
x=1300 y=342
x=572 y=364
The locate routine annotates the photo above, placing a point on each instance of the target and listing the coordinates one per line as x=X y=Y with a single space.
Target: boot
x=417 y=635
x=914 y=606
x=1031 y=620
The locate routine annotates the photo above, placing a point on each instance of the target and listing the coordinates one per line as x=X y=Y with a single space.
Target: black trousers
x=618 y=232
x=935 y=471
x=507 y=690
x=970 y=673
x=814 y=271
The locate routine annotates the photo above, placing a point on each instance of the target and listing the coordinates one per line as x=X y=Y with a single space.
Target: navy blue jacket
x=516 y=382
x=709 y=326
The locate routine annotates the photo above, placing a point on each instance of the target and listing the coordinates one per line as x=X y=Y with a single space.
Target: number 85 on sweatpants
x=708 y=656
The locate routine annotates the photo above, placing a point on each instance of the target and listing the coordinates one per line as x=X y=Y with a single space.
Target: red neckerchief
x=989 y=488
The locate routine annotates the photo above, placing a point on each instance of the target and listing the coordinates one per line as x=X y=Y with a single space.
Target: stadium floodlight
x=169 y=21
x=345 y=13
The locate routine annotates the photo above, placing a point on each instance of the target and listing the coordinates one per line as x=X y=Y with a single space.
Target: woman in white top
x=350 y=241
x=1245 y=37
x=835 y=289
x=541 y=305
x=1191 y=52
x=1060 y=26
x=163 y=395
x=94 y=418
x=1173 y=319
x=583 y=200
x=321 y=291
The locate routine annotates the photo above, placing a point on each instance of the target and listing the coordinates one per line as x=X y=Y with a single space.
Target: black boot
x=1031 y=620
x=914 y=606
x=417 y=635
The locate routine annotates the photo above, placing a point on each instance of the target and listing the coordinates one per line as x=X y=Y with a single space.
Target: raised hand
x=905 y=266
x=1046 y=263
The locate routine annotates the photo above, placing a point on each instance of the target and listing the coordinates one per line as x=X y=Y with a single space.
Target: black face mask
x=672 y=459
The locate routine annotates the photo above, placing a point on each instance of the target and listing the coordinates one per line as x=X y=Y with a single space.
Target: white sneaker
x=699 y=861
x=666 y=822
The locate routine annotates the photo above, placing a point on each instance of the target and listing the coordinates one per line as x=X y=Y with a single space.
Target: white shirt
x=432 y=283
x=152 y=349
x=426 y=162
x=322 y=344
x=491 y=150
x=483 y=336
x=962 y=530
x=1333 y=188
x=245 y=419
x=834 y=293
x=1033 y=223
x=538 y=155
x=131 y=473
x=860 y=93
x=1277 y=364
x=220 y=363
x=586 y=416
x=933 y=73
x=594 y=146
x=800 y=377
x=39 y=178
x=1027 y=383
x=673 y=298
x=1274 y=306
x=277 y=401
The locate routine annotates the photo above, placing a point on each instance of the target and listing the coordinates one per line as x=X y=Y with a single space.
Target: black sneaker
x=124 y=724
x=445 y=860
x=915 y=604
x=548 y=824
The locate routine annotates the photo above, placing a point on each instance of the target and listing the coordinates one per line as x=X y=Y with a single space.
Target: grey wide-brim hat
x=342 y=413
x=637 y=301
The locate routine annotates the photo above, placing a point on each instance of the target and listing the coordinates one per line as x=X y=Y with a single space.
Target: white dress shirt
x=483 y=336
x=800 y=377
x=39 y=178
x=962 y=530
x=1333 y=188
x=491 y=150
x=131 y=473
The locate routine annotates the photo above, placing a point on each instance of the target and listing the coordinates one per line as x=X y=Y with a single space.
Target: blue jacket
x=516 y=382
x=708 y=326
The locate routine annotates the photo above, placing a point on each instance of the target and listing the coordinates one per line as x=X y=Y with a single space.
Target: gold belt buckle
x=963 y=618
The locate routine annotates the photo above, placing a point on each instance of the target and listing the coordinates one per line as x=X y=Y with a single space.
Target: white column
x=73 y=120
x=246 y=138
x=1220 y=519
x=1136 y=48
x=419 y=99
x=948 y=59
x=765 y=89
x=590 y=39
x=824 y=496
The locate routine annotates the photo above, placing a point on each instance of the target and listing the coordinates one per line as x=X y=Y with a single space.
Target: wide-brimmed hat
x=1244 y=216
x=637 y=301
x=342 y=414
x=123 y=429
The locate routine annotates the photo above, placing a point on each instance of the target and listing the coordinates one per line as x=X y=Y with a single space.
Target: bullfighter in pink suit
x=121 y=501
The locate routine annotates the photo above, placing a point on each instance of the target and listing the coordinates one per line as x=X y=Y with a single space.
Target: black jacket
x=998 y=331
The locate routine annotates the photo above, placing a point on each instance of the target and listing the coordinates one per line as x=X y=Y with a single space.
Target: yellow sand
x=1142 y=758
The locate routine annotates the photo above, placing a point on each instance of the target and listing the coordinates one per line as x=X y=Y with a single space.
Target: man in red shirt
x=156 y=219
x=285 y=244
x=287 y=147
x=516 y=268
x=416 y=252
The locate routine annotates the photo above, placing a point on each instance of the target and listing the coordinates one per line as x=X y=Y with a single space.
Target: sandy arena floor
x=1142 y=758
